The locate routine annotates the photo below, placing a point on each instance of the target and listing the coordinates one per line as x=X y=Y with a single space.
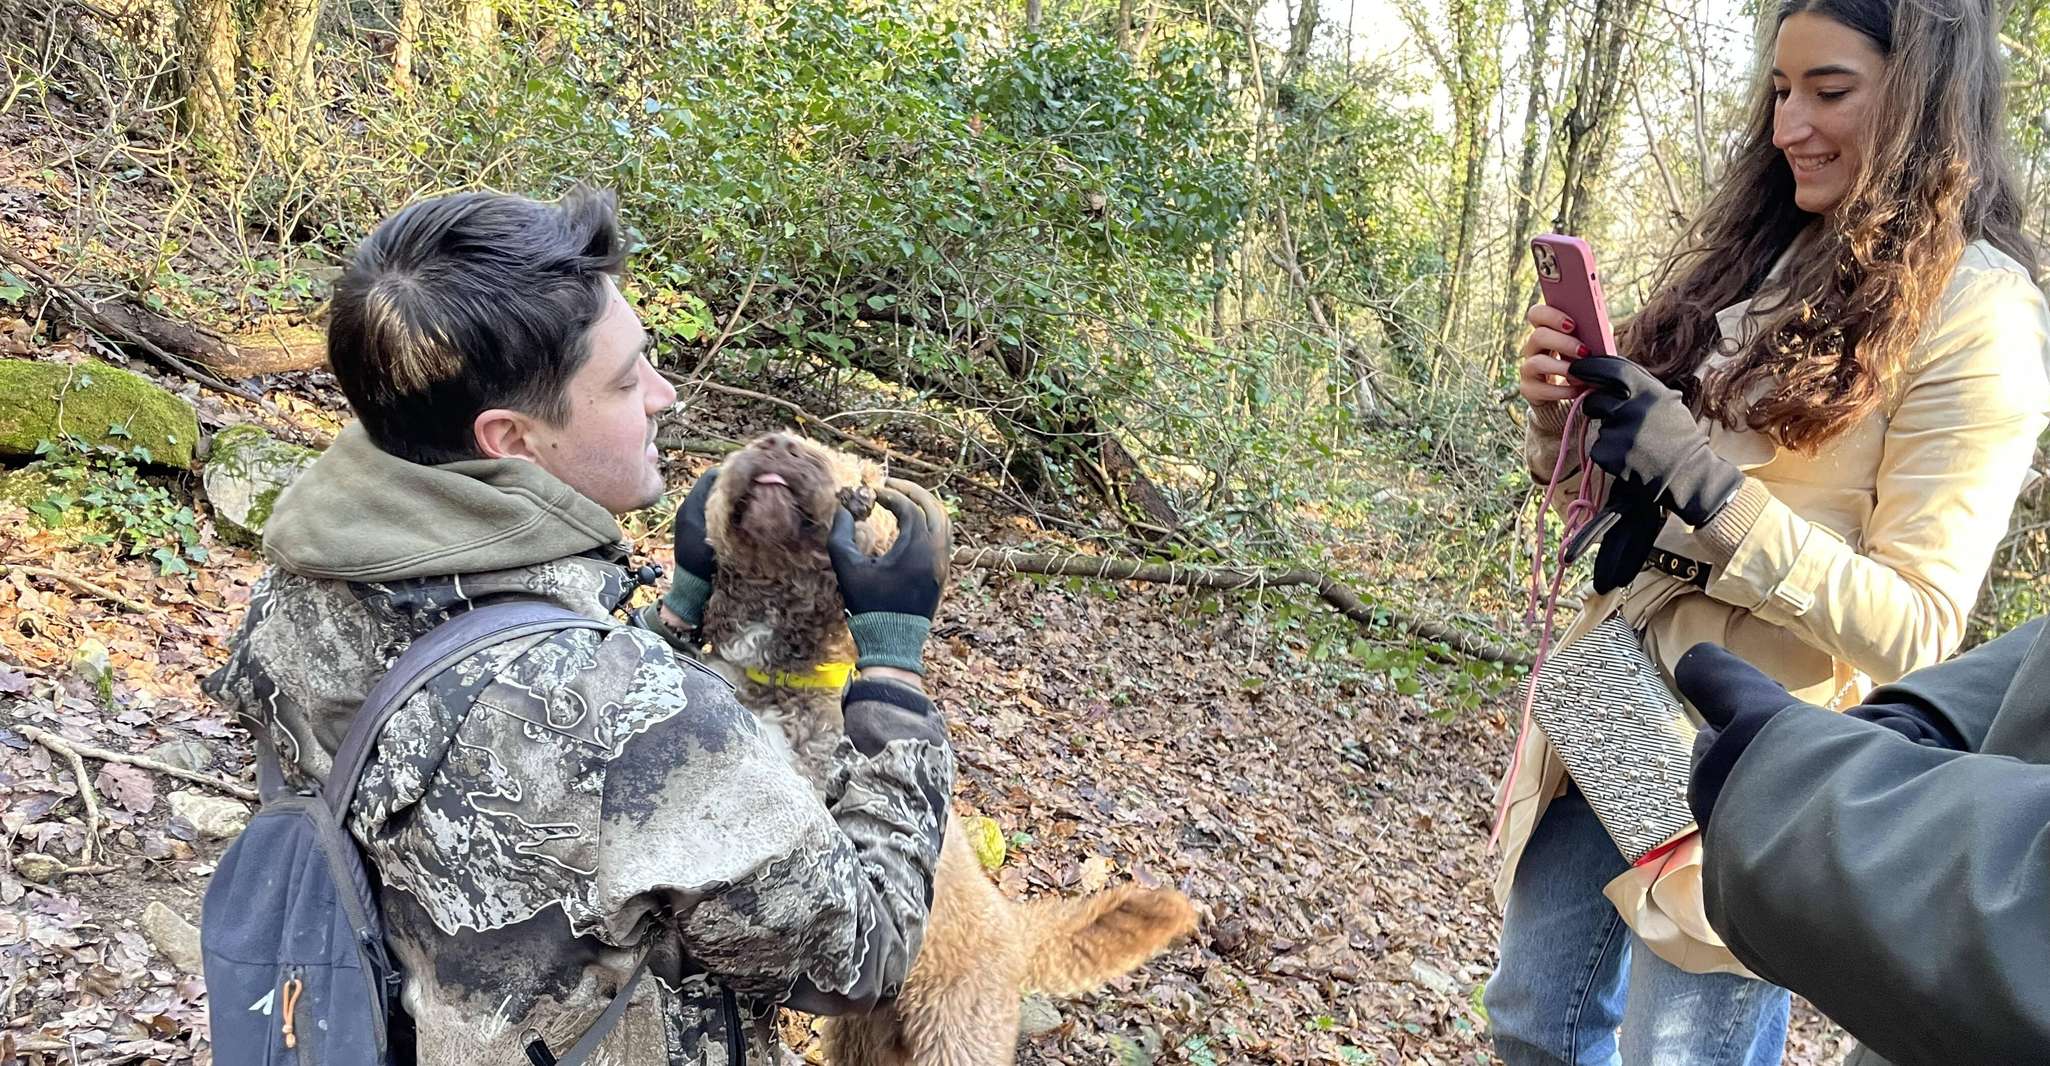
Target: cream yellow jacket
x=1833 y=570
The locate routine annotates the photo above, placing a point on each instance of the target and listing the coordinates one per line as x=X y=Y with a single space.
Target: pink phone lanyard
x=1586 y=504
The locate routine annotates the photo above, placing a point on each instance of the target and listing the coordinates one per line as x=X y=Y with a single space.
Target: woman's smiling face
x=1825 y=81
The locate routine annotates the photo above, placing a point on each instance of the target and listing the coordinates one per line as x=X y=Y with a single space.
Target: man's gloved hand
x=1649 y=439
x=1737 y=700
x=691 y=585
x=891 y=598
x=1912 y=721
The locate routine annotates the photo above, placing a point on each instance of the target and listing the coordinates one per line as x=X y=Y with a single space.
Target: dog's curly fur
x=776 y=607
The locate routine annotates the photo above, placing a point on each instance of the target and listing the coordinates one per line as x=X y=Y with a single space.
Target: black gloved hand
x=891 y=598
x=696 y=566
x=1628 y=526
x=1913 y=721
x=1737 y=700
x=1649 y=439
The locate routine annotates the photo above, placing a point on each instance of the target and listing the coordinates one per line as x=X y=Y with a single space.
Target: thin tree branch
x=78 y=583
x=56 y=743
x=72 y=752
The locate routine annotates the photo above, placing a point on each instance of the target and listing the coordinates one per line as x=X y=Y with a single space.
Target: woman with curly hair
x=1815 y=435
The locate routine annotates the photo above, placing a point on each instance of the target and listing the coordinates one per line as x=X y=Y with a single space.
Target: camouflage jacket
x=546 y=812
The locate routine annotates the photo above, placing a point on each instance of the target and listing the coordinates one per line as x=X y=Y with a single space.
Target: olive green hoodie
x=362 y=514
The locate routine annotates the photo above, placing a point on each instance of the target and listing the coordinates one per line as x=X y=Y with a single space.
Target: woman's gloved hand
x=1628 y=528
x=891 y=598
x=1649 y=439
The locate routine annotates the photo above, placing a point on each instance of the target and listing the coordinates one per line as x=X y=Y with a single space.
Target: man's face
x=606 y=448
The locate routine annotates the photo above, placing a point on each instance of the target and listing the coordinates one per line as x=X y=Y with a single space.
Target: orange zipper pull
x=292 y=990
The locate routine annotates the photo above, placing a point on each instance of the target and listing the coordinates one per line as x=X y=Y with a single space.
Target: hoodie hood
x=361 y=514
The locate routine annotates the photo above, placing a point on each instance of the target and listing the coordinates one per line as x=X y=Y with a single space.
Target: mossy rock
x=245 y=471
x=96 y=403
x=32 y=485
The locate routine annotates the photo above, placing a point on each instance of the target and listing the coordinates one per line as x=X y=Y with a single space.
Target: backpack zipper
x=290 y=1002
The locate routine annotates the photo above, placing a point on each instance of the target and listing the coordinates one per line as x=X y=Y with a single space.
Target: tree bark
x=1597 y=91
x=208 y=36
x=402 y=80
x=280 y=54
x=1301 y=34
x=1032 y=15
x=264 y=351
x=479 y=21
x=1528 y=188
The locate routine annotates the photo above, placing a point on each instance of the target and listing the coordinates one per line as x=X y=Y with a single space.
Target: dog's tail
x=1080 y=944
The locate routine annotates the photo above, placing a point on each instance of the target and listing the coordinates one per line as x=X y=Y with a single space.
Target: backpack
x=291 y=939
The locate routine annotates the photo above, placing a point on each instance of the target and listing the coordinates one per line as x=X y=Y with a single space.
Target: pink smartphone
x=1567 y=278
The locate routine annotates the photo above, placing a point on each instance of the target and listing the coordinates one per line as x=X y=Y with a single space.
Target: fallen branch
x=78 y=583
x=54 y=742
x=90 y=315
x=65 y=748
x=1331 y=590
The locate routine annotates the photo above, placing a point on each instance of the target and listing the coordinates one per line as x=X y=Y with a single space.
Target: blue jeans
x=1572 y=972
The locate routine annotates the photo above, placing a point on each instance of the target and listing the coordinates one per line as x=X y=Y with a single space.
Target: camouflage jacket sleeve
x=604 y=773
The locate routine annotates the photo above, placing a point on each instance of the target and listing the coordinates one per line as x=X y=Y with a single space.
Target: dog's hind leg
x=873 y=1039
x=971 y=1021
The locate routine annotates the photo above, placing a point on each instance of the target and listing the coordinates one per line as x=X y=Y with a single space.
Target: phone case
x=1568 y=280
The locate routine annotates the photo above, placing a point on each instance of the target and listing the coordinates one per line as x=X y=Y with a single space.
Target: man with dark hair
x=551 y=812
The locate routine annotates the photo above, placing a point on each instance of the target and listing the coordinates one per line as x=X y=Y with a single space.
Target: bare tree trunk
x=1527 y=192
x=1301 y=34
x=1468 y=61
x=402 y=53
x=207 y=36
x=1125 y=25
x=1032 y=14
x=1596 y=93
x=480 y=22
x=280 y=53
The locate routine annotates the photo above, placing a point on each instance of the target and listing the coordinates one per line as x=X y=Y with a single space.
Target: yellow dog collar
x=824 y=675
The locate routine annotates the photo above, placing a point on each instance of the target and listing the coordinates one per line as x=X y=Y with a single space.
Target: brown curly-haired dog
x=779 y=633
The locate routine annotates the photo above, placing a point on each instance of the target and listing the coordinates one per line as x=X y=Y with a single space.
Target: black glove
x=1737 y=700
x=1913 y=721
x=891 y=598
x=1649 y=439
x=691 y=585
x=1627 y=527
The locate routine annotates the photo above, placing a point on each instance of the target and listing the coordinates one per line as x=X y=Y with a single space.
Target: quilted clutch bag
x=1622 y=734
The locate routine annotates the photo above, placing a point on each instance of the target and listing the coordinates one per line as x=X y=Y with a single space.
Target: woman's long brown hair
x=1846 y=310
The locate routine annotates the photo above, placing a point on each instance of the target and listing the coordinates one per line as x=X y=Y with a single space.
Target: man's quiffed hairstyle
x=463 y=303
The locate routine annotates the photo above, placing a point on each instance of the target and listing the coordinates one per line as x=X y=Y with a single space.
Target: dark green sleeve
x=1904 y=890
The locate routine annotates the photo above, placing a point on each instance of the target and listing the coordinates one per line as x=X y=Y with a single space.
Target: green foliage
x=1039 y=231
x=102 y=491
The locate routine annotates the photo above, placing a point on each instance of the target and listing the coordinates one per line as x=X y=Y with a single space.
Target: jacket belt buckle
x=1679 y=566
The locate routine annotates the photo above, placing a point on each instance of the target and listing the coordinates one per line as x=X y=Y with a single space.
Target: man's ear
x=506 y=434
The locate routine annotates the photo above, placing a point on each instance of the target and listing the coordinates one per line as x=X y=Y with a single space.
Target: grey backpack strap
x=270 y=776
x=438 y=649
x=595 y=1035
